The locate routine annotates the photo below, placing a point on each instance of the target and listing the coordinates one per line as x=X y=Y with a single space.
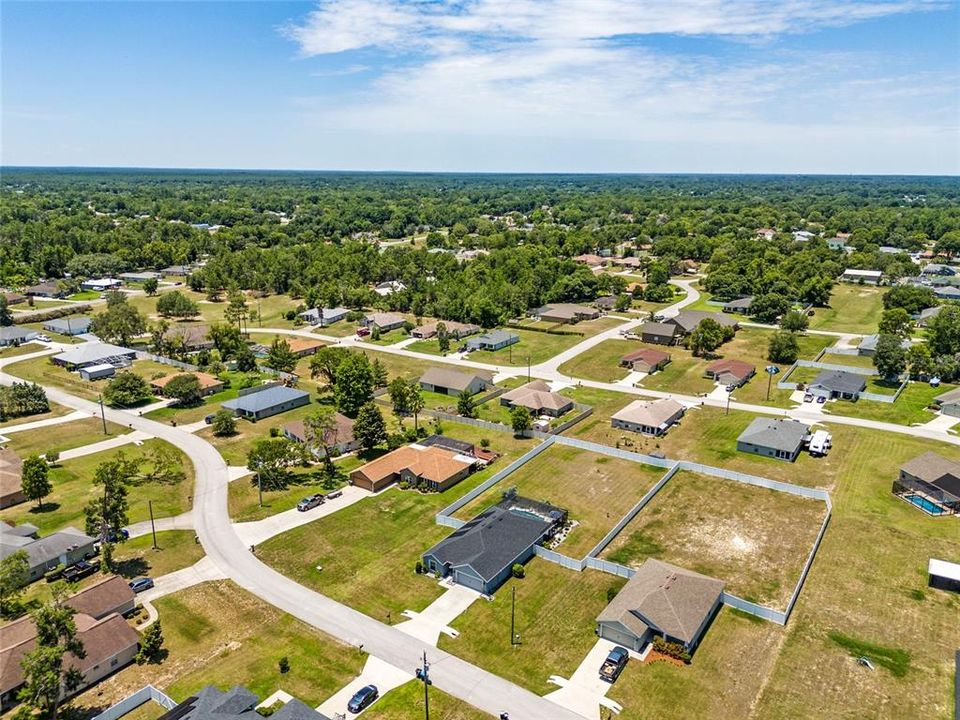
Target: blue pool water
x=924 y=504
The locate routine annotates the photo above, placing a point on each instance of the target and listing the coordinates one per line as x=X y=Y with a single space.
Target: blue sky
x=822 y=86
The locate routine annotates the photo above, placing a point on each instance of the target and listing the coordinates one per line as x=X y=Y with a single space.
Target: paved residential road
x=234 y=560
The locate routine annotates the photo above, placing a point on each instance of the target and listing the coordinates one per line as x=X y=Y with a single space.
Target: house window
x=114 y=662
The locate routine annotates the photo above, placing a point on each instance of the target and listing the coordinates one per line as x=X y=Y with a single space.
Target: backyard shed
x=98 y=372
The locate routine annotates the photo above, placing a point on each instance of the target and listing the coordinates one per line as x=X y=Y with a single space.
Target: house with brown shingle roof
x=659 y=333
x=455 y=330
x=339 y=438
x=645 y=360
x=384 y=322
x=648 y=417
x=11 y=475
x=730 y=372
x=589 y=260
x=661 y=600
x=537 y=397
x=208 y=383
x=448 y=381
x=193 y=337
x=302 y=347
x=435 y=467
x=110 y=594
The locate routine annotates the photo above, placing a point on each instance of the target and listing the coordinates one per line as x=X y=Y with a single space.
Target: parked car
x=310 y=502
x=80 y=570
x=43 y=338
x=821 y=399
x=363 y=332
x=808 y=398
x=140 y=584
x=209 y=418
x=363 y=698
x=333 y=494
x=113 y=537
x=614 y=664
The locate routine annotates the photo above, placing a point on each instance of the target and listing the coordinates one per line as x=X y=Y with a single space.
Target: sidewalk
x=69 y=417
x=137 y=437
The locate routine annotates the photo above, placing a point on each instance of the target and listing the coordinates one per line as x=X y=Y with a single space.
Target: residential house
x=107 y=595
x=460 y=447
x=648 y=417
x=924 y=317
x=606 y=303
x=324 y=317
x=389 y=288
x=11 y=335
x=44 y=553
x=447 y=381
x=837 y=384
x=46 y=289
x=537 y=397
x=492 y=341
x=302 y=346
x=11 y=475
x=589 y=260
x=139 y=277
x=101 y=284
x=774 y=437
x=868 y=345
x=69 y=325
x=630 y=262
x=943 y=575
x=434 y=467
x=339 y=438
x=687 y=320
x=646 y=360
x=481 y=554
x=661 y=600
x=384 y=322
x=95 y=353
x=97 y=372
x=192 y=337
x=455 y=330
x=14 y=298
x=265 y=401
x=660 y=333
x=867 y=277
x=890 y=250
x=209 y=385
x=937 y=269
x=947 y=293
x=565 y=313
x=949 y=402
x=730 y=372
x=176 y=270
x=740 y=305
x=766 y=233
x=931 y=482
x=238 y=703
x=803 y=235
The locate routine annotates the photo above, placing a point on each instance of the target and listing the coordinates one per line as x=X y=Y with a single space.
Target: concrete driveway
x=254 y=533
x=436 y=618
x=584 y=692
x=375 y=672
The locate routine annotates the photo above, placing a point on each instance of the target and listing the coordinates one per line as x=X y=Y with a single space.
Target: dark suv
x=363 y=698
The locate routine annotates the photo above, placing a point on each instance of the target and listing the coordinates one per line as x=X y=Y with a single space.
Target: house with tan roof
x=434 y=467
x=648 y=417
x=339 y=438
x=728 y=371
x=567 y=313
x=589 y=260
x=209 y=384
x=448 y=381
x=193 y=337
x=302 y=347
x=110 y=594
x=537 y=397
x=384 y=322
x=646 y=360
x=661 y=600
x=11 y=475
x=455 y=330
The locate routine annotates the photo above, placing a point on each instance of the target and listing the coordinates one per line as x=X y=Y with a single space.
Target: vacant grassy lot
x=714 y=685
x=42 y=370
x=55 y=411
x=869 y=583
x=216 y=633
x=177 y=549
x=389 y=338
x=73 y=488
x=605 y=403
x=65 y=436
x=596 y=489
x=555 y=616
x=913 y=405
x=272 y=308
x=24 y=349
x=406 y=703
x=853 y=309
x=386 y=535
x=431 y=346
x=601 y=362
x=754 y=539
x=535 y=346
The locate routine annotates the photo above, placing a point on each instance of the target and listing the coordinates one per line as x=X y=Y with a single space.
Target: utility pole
x=425 y=676
x=103 y=417
x=513 y=615
x=260 y=488
x=259 y=314
x=729 y=398
x=528 y=368
x=153 y=527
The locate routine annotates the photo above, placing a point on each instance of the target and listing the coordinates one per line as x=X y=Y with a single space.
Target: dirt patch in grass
x=754 y=539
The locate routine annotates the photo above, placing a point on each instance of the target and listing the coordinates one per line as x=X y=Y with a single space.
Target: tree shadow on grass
x=48 y=507
x=131 y=567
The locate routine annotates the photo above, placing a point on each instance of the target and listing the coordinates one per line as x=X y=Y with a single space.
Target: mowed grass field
x=541 y=346
x=754 y=539
x=386 y=534
x=176 y=549
x=55 y=411
x=41 y=370
x=597 y=490
x=556 y=610
x=73 y=488
x=853 y=309
x=216 y=633
x=406 y=703
x=64 y=436
x=272 y=308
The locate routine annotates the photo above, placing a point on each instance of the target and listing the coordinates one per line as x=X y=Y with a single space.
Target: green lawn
x=176 y=549
x=73 y=489
x=85 y=295
x=910 y=408
x=54 y=411
x=597 y=490
x=339 y=329
x=853 y=309
x=534 y=347
x=24 y=349
x=389 y=338
x=754 y=539
x=431 y=346
x=65 y=436
x=42 y=370
x=386 y=535
x=556 y=612
x=273 y=308
x=601 y=362
x=406 y=703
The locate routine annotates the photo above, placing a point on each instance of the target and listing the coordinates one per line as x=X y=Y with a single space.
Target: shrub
x=671 y=649
x=54 y=574
x=52 y=456
x=274 y=432
x=290 y=315
x=612 y=593
x=418 y=568
x=518 y=570
x=484 y=442
x=284 y=665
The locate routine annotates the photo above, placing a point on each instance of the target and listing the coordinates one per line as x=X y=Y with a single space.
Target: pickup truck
x=614 y=664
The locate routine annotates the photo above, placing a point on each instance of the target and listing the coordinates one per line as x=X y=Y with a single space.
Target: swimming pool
x=924 y=504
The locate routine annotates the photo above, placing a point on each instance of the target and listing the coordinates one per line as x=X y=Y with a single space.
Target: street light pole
x=153 y=527
x=260 y=488
x=103 y=417
x=513 y=614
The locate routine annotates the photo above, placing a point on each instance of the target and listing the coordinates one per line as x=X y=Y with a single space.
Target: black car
x=363 y=698
x=80 y=570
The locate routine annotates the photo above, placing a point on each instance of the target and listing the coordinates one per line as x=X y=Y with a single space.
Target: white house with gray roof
x=837 y=384
x=493 y=340
x=777 y=438
x=262 y=402
x=64 y=547
x=447 y=381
